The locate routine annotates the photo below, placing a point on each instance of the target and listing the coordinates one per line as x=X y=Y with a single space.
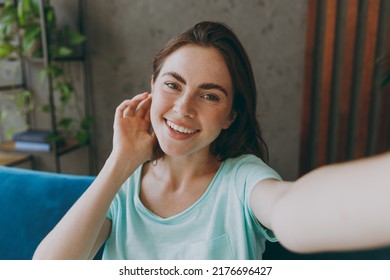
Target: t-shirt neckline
x=177 y=216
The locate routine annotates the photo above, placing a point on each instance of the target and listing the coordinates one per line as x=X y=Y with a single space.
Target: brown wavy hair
x=244 y=134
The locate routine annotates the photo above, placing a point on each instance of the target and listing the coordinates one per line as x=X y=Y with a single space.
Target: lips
x=181 y=129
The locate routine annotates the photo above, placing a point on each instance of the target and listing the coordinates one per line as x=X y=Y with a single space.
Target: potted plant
x=21 y=38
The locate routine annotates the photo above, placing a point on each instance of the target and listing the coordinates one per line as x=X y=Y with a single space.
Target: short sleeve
x=249 y=171
x=112 y=208
x=115 y=204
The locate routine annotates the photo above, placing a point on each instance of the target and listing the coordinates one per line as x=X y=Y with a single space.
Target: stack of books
x=34 y=140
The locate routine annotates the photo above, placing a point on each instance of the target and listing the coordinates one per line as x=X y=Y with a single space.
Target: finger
x=121 y=108
x=144 y=107
x=129 y=106
x=135 y=104
x=147 y=115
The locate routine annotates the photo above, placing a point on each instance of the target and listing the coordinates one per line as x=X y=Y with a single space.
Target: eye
x=211 y=97
x=172 y=85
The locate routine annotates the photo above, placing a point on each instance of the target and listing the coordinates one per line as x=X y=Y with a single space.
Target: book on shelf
x=34 y=140
x=32 y=146
x=39 y=136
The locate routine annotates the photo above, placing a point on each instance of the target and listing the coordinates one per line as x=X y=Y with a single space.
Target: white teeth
x=180 y=128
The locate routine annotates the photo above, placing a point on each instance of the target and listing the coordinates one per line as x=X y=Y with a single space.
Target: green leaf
x=65 y=97
x=74 y=38
x=86 y=123
x=6 y=49
x=8 y=14
x=31 y=39
x=27 y=12
x=42 y=75
x=10 y=132
x=4 y=33
x=3 y=116
x=27 y=94
x=23 y=100
x=64 y=51
x=82 y=137
x=52 y=70
x=46 y=108
x=32 y=32
x=55 y=71
x=35 y=9
x=20 y=12
x=51 y=18
x=66 y=123
x=53 y=137
x=30 y=46
x=65 y=89
x=29 y=101
x=20 y=103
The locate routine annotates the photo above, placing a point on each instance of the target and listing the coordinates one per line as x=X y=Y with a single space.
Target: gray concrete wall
x=124 y=35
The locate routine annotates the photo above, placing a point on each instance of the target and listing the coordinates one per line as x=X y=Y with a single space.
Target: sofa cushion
x=31 y=204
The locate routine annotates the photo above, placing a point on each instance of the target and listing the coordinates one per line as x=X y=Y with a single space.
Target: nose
x=184 y=106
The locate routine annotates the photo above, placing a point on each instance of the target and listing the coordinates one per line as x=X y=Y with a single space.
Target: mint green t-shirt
x=220 y=225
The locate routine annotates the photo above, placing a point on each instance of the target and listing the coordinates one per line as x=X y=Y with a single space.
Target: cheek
x=223 y=118
x=161 y=101
x=228 y=122
x=157 y=108
x=153 y=112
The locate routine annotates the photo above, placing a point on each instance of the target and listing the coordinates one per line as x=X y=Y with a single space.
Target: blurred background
x=319 y=66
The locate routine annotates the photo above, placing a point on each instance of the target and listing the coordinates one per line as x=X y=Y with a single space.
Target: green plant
x=23 y=102
x=20 y=36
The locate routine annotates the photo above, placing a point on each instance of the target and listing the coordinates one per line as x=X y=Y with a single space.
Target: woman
x=197 y=187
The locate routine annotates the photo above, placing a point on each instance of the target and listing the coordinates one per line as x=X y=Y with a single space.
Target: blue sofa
x=32 y=202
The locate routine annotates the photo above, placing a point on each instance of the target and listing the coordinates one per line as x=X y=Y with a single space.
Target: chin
x=174 y=152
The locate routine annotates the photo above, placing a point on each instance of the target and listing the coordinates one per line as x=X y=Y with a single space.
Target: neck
x=179 y=171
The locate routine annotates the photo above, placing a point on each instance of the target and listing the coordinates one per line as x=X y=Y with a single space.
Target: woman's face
x=191 y=101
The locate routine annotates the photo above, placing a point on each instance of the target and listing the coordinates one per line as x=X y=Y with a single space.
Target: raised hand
x=132 y=139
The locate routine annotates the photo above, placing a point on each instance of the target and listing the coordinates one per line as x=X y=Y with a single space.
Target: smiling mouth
x=181 y=129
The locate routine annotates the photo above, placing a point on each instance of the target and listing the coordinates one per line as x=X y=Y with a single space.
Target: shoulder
x=133 y=181
x=245 y=171
x=127 y=192
x=245 y=158
x=250 y=167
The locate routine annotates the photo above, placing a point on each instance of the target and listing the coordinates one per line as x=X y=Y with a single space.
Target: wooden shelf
x=12 y=159
x=70 y=145
x=74 y=58
x=11 y=87
x=35 y=64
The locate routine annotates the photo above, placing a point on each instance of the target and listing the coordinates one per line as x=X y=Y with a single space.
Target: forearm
x=337 y=207
x=75 y=235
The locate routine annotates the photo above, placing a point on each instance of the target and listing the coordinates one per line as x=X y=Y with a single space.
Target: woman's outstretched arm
x=76 y=235
x=337 y=207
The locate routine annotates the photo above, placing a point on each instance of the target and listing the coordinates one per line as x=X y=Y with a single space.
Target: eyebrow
x=177 y=76
x=180 y=78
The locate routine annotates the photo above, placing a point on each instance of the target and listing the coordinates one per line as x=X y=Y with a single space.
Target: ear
x=151 y=84
x=232 y=116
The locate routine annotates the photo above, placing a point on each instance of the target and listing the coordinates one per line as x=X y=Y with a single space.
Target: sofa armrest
x=31 y=204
